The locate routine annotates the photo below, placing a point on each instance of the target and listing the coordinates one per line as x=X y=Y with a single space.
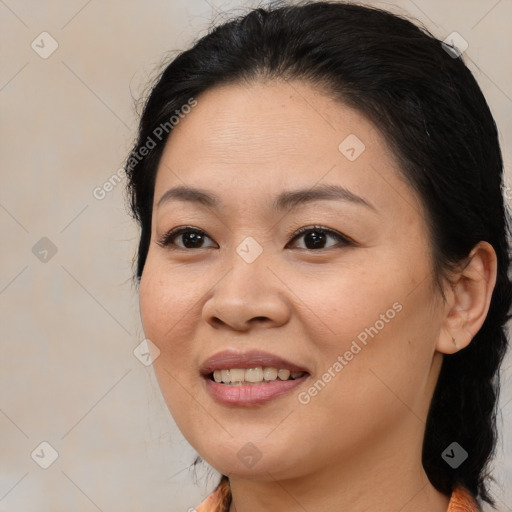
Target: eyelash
x=165 y=241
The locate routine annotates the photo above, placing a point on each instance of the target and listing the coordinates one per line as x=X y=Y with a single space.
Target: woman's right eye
x=191 y=238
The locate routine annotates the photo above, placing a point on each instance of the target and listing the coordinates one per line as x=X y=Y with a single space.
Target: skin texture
x=364 y=430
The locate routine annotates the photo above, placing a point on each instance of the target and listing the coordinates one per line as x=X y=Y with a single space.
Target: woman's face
x=347 y=307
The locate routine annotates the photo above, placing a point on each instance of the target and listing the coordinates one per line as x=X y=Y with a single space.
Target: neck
x=384 y=476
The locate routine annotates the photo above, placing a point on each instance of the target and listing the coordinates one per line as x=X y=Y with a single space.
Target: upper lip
x=229 y=359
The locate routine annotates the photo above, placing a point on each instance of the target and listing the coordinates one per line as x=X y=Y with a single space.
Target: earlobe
x=448 y=344
x=469 y=299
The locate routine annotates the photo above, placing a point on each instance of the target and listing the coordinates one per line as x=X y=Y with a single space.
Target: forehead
x=276 y=135
x=266 y=120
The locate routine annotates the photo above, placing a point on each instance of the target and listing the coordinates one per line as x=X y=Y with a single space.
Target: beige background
x=69 y=325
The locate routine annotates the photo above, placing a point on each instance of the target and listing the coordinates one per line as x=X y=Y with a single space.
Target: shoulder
x=463 y=501
x=219 y=500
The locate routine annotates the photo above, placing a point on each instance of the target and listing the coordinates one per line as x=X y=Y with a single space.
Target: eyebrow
x=285 y=200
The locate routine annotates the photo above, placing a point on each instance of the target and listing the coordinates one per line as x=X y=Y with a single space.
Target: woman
x=323 y=261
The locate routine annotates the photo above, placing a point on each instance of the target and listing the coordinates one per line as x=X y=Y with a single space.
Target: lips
x=227 y=359
x=250 y=394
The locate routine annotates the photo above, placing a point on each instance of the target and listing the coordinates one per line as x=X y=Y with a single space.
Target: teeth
x=270 y=373
x=236 y=375
x=254 y=374
x=257 y=375
x=283 y=374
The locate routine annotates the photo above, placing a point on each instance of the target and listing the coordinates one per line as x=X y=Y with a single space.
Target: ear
x=468 y=299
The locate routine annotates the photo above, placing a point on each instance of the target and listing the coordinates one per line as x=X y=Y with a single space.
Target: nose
x=248 y=296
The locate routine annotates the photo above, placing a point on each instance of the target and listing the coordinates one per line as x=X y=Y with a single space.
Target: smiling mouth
x=254 y=376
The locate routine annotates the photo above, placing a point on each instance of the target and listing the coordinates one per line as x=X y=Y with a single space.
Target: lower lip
x=251 y=394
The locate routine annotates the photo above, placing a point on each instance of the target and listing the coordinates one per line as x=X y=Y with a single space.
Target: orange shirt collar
x=461 y=500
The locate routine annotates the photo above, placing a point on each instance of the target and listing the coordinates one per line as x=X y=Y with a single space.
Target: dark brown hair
x=431 y=111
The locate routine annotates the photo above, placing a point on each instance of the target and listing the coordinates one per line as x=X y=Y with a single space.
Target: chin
x=253 y=461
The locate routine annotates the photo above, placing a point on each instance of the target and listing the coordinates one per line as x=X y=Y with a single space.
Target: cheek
x=379 y=322
x=168 y=315
x=347 y=304
x=168 y=321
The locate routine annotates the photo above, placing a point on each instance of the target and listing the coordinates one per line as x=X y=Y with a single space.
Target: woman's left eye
x=315 y=237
